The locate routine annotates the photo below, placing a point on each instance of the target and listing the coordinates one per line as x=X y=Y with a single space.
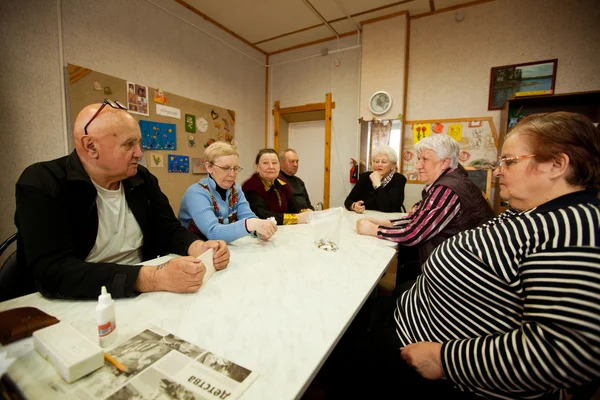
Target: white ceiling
x=273 y=26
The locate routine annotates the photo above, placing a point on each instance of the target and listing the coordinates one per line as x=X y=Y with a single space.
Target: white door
x=308 y=139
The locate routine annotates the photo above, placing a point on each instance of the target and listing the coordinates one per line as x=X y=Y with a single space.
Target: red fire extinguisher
x=353 y=171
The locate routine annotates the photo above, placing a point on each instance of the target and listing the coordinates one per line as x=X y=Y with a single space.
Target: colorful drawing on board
x=160 y=97
x=198 y=166
x=157 y=160
x=179 y=164
x=190 y=123
x=437 y=127
x=421 y=131
x=192 y=141
x=455 y=132
x=227 y=137
x=158 y=135
x=137 y=98
x=209 y=142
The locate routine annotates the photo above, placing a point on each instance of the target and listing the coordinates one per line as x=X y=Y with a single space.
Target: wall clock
x=202 y=124
x=380 y=102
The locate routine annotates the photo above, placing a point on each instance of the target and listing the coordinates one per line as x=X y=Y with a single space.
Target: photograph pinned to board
x=525 y=79
x=198 y=166
x=137 y=98
x=157 y=160
x=158 y=135
x=179 y=164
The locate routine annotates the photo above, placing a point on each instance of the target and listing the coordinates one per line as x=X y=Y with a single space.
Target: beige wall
x=449 y=66
x=450 y=62
x=306 y=81
x=133 y=40
x=30 y=109
x=383 y=64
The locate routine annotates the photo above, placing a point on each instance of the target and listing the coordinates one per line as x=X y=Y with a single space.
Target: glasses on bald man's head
x=107 y=102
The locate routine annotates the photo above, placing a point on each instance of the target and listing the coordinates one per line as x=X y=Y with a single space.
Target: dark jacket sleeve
x=358 y=190
x=260 y=207
x=391 y=197
x=170 y=236
x=46 y=240
x=305 y=195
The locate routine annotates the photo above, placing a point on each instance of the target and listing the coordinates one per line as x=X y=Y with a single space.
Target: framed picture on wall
x=528 y=79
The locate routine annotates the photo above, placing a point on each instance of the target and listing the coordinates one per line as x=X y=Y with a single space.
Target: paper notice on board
x=207 y=260
x=167 y=111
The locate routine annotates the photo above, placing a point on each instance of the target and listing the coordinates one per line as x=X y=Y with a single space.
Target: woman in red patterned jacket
x=270 y=196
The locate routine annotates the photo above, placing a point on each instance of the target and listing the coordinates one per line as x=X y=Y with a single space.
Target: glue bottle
x=105 y=317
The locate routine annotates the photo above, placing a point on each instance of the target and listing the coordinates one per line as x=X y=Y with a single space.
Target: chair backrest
x=483 y=179
x=8 y=276
x=6 y=244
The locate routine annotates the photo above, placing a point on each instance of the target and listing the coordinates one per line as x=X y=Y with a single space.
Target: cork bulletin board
x=477 y=138
x=172 y=133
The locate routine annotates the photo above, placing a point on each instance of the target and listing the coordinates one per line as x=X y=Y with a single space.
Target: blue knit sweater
x=197 y=205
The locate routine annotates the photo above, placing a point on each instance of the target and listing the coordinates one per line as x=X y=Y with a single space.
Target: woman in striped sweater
x=450 y=202
x=510 y=309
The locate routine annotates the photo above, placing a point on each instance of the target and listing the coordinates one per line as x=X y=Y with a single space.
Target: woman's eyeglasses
x=508 y=161
x=229 y=170
x=107 y=102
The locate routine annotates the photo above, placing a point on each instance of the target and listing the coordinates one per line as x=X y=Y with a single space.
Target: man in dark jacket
x=84 y=219
x=289 y=169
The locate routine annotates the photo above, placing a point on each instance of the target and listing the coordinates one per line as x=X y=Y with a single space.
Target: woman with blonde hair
x=216 y=207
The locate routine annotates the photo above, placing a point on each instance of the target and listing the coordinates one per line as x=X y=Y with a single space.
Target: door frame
x=327 y=106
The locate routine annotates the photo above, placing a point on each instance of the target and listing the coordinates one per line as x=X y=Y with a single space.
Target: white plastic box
x=70 y=352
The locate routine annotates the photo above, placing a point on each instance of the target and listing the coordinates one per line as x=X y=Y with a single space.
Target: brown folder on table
x=20 y=323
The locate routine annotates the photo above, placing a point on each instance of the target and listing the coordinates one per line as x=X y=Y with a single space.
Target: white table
x=278 y=309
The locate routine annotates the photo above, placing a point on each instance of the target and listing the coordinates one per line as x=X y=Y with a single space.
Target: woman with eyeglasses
x=216 y=207
x=509 y=309
x=381 y=189
x=270 y=196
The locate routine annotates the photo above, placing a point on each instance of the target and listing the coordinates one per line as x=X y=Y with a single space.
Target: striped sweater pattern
x=515 y=302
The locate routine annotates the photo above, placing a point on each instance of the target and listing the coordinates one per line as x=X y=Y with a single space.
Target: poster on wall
x=158 y=135
x=137 y=99
x=179 y=164
x=476 y=137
